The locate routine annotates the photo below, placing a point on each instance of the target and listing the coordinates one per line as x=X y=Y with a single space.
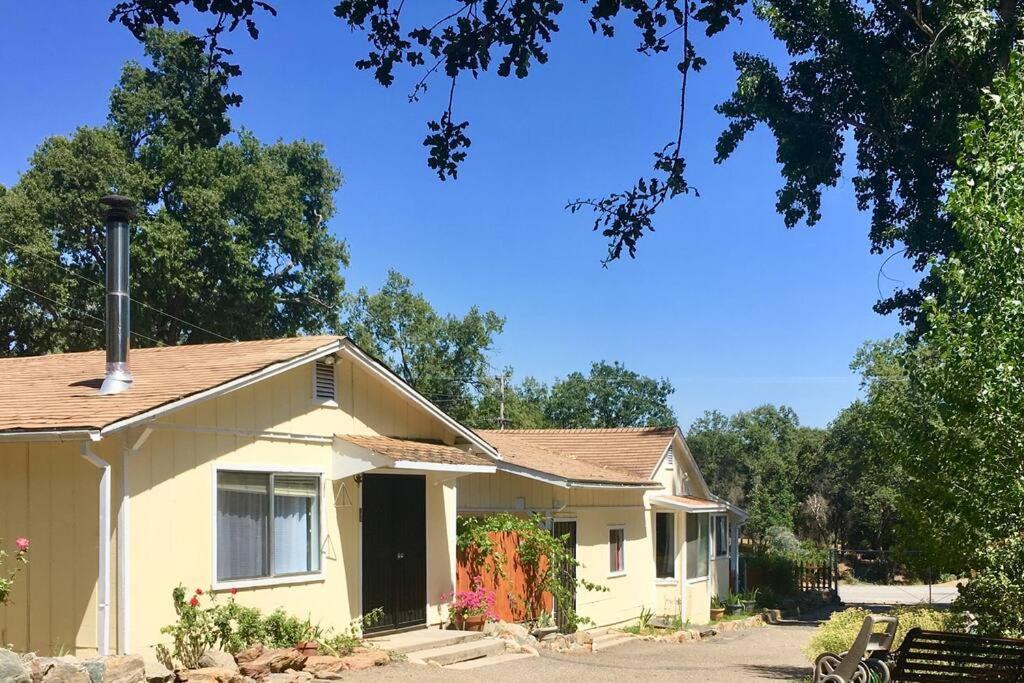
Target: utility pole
x=502 y=422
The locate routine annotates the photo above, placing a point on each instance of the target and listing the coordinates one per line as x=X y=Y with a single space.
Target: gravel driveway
x=869 y=594
x=771 y=653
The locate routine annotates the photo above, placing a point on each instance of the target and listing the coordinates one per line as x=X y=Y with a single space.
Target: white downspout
x=103 y=580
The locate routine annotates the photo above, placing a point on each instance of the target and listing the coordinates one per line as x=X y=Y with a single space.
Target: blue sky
x=723 y=300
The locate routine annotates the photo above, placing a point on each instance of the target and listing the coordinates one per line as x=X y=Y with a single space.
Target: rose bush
x=20 y=560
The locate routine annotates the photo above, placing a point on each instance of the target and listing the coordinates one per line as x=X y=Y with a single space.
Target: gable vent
x=670 y=458
x=323 y=381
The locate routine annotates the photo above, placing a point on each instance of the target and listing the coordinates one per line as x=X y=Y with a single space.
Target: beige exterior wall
x=50 y=494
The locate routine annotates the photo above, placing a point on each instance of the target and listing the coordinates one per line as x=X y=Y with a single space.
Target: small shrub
x=20 y=560
x=994 y=597
x=194 y=632
x=838 y=633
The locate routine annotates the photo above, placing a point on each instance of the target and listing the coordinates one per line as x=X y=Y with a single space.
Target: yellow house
x=639 y=514
x=300 y=472
x=304 y=475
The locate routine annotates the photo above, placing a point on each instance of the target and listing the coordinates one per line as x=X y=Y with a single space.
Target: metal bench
x=938 y=657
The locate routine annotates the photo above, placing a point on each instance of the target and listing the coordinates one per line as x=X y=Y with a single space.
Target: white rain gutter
x=103 y=580
x=51 y=435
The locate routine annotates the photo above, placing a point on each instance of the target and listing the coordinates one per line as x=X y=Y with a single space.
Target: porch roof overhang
x=355 y=454
x=688 y=504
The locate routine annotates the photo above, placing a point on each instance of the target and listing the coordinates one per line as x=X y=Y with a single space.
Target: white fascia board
x=349 y=460
x=52 y=435
x=360 y=356
x=738 y=512
x=220 y=389
x=443 y=467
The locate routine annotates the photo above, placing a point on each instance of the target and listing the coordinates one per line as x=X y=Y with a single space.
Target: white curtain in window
x=296 y=525
x=697 y=545
x=243 y=506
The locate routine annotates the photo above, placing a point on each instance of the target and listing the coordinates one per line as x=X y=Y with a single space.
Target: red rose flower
x=22 y=544
x=199 y=591
x=194 y=601
x=234 y=591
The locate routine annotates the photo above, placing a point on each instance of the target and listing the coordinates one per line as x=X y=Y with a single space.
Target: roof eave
x=50 y=435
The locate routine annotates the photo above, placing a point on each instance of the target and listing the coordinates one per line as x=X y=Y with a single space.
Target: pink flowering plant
x=20 y=560
x=474 y=603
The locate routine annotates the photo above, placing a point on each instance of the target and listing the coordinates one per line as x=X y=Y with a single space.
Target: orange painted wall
x=510 y=586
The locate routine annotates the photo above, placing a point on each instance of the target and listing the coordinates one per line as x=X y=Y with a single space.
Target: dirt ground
x=771 y=653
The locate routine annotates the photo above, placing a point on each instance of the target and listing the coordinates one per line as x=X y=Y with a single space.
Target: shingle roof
x=521 y=448
x=59 y=391
x=689 y=502
x=634 y=450
x=415 y=451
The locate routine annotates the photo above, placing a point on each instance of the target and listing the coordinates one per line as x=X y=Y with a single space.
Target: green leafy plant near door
x=545 y=559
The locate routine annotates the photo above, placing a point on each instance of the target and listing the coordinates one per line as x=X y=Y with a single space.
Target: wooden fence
x=785 y=576
x=822 y=577
x=512 y=583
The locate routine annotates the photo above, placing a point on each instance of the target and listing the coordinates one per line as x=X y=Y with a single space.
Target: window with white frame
x=698 y=545
x=721 y=536
x=268 y=524
x=324 y=389
x=665 y=545
x=616 y=550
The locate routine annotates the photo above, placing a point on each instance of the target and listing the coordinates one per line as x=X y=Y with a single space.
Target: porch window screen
x=697 y=545
x=665 y=545
x=721 y=536
x=616 y=550
x=262 y=535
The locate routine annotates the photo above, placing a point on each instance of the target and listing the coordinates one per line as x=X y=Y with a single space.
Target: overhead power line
x=72 y=308
x=46 y=261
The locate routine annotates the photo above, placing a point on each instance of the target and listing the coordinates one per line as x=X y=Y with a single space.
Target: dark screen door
x=567 y=573
x=395 y=550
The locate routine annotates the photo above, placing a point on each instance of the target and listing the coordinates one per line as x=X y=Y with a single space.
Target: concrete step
x=610 y=639
x=432 y=639
x=460 y=652
x=490 y=661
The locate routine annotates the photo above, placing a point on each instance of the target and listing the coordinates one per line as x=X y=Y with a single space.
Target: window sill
x=615 y=575
x=699 y=579
x=666 y=582
x=242 y=584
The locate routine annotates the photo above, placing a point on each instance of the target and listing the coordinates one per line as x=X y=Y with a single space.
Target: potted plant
x=749 y=601
x=717 y=608
x=471 y=609
x=733 y=604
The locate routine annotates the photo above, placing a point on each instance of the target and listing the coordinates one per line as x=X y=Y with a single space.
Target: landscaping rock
x=556 y=642
x=155 y=672
x=250 y=654
x=210 y=675
x=12 y=668
x=95 y=668
x=273 y=661
x=121 y=669
x=58 y=670
x=583 y=638
x=217 y=659
x=319 y=665
x=365 y=658
x=506 y=630
x=289 y=677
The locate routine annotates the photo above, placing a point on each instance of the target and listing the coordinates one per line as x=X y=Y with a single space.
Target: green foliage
x=233 y=627
x=838 y=633
x=444 y=357
x=231 y=235
x=994 y=595
x=545 y=559
x=609 y=396
x=758 y=460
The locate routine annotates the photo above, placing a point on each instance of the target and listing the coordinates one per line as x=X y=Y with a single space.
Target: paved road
x=869 y=594
x=771 y=653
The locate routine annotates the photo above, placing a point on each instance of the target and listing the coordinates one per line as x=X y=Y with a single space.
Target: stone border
x=709 y=631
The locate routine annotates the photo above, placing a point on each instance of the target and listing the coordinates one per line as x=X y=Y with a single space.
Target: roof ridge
x=153 y=349
x=584 y=430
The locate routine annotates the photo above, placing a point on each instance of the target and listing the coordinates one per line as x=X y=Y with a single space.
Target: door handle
x=400 y=556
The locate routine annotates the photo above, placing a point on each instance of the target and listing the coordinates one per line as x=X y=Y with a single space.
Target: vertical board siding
x=511 y=585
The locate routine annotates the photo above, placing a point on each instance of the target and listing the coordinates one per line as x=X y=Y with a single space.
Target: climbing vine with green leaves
x=544 y=558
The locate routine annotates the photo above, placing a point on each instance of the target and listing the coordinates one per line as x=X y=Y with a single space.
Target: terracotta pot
x=475 y=623
x=717 y=613
x=310 y=648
